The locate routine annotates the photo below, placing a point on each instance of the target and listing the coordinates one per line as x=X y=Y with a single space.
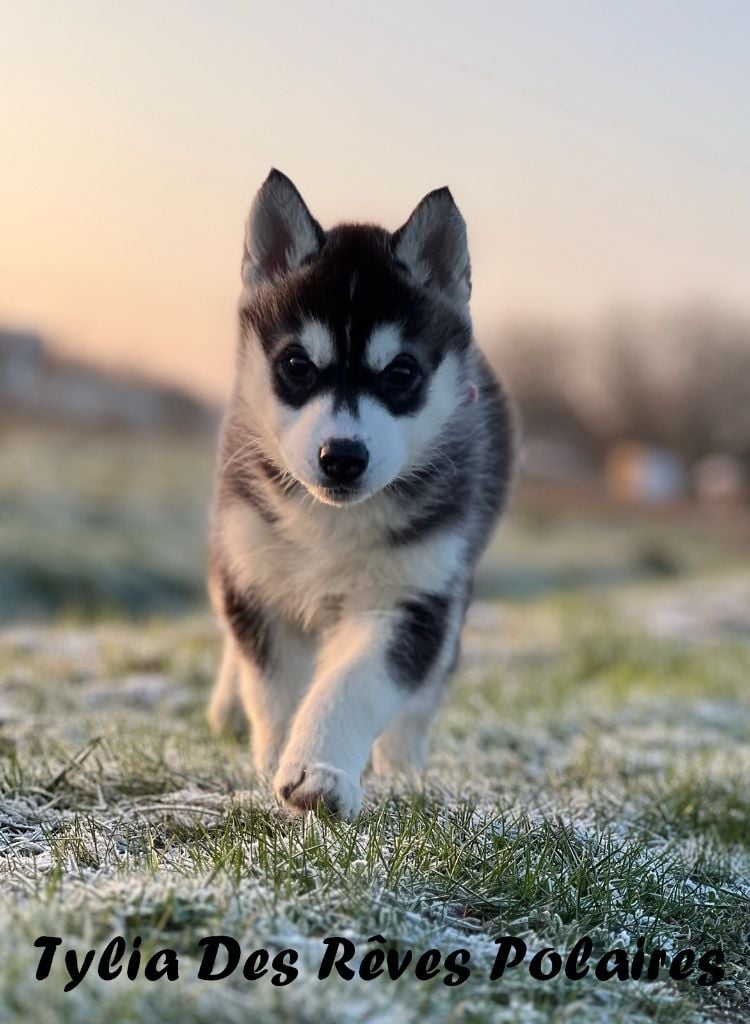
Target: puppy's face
x=352 y=342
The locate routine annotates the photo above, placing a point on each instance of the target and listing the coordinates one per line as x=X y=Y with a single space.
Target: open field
x=589 y=772
x=101 y=524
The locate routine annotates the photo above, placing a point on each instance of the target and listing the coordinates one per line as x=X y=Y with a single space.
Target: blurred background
x=599 y=153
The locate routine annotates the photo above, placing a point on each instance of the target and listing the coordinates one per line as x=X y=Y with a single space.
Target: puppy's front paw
x=307 y=787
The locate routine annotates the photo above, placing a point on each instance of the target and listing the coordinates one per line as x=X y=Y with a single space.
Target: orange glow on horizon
x=134 y=140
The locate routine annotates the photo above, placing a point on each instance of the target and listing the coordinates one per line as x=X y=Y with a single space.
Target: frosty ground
x=589 y=775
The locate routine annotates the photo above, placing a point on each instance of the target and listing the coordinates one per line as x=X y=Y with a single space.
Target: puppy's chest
x=323 y=568
x=314 y=568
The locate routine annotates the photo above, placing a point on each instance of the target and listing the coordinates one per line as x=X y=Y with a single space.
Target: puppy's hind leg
x=224 y=712
x=402 y=748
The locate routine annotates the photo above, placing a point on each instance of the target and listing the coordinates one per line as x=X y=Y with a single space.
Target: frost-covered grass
x=589 y=772
x=589 y=776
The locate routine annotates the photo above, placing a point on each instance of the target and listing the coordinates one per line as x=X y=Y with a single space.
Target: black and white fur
x=343 y=582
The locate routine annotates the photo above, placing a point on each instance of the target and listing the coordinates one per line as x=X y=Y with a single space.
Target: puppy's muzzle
x=343 y=459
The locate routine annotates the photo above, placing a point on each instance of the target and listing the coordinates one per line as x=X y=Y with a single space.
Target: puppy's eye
x=297 y=367
x=401 y=375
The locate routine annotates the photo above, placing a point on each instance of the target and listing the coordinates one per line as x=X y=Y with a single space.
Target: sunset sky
x=600 y=153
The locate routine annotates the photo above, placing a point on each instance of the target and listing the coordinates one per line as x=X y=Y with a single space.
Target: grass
x=102 y=523
x=597 y=786
x=588 y=776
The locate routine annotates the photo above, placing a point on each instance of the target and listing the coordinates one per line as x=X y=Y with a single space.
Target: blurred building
x=638 y=472
x=556 y=461
x=36 y=384
x=719 y=477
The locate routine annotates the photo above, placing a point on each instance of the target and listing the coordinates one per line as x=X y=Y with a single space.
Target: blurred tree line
x=679 y=380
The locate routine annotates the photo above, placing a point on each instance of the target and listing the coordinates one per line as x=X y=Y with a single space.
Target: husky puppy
x=366 y=454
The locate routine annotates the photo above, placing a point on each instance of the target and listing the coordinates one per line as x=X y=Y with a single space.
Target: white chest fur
x=318 y=556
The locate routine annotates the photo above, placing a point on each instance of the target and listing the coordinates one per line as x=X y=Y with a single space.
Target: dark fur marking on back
x=418 y=639
x=247 y=620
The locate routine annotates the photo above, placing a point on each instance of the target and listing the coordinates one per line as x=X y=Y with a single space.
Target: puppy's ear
x=281 y=231
x=433 y=246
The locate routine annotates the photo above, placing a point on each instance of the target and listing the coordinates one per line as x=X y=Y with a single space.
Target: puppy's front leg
x=368 y=668
x=275 y=660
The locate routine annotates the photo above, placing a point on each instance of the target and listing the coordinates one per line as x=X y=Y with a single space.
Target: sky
x=600 y=154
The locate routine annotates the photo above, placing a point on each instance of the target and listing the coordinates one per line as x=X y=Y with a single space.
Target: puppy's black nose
x=343 y=459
